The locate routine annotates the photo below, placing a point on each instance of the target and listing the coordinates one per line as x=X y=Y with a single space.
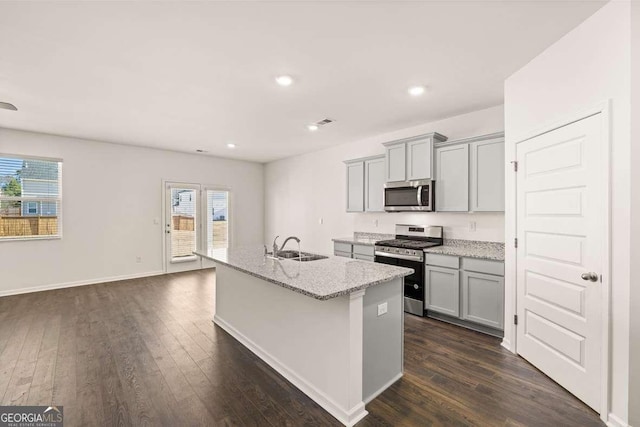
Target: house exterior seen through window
x=30 y=197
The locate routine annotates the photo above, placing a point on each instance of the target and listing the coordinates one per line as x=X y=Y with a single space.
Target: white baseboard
x=78 y=283
x=506 y=344
x=383 y=388
x=346 y=417
x=615 y=421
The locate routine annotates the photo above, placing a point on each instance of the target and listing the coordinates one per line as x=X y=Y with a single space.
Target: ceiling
x=198 y=75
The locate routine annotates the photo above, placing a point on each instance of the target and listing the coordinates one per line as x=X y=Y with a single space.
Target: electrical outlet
x=382 y=308
x=472 y=226
x=138 y=259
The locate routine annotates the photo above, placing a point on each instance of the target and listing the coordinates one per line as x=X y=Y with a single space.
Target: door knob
x=416 y=286
x=591 y=276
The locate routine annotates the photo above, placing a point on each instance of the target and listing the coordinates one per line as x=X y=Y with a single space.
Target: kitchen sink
x=289 y=254
x=296 y=256
x=309 y=257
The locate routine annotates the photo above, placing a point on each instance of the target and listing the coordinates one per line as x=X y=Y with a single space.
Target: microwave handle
x=420 y=195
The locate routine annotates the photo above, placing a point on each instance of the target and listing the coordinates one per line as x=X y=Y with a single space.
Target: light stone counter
x=470 y=249
x=321 y=279
x=366 y=239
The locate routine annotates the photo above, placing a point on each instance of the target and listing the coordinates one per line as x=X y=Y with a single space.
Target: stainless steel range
x=407 y=250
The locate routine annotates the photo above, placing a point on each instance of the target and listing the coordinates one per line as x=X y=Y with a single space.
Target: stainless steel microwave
x=409 y=196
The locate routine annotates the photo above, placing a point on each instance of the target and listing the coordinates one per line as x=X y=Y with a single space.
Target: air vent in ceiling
x=325 y=122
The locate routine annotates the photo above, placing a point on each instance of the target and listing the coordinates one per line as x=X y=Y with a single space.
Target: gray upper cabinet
x=411 y=158
x=469 y=174
x=365 y=184
x=420 y=159
x=395 y=156
x=374 y=184
x=483 y=299
x=452 y=178
x=355 y=186
x=487 y=175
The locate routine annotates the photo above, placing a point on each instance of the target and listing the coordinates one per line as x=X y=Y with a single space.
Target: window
x=32 y=208
x=30 y=197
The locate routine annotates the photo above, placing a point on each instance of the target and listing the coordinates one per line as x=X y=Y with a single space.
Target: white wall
x=634 y=333
x=302 y=189
x=589 y=65
x=111 y=195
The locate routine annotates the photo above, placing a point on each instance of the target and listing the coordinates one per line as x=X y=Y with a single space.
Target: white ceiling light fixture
x=284 y=80
x=231 y=145
x=313 y=127
x=416 y=90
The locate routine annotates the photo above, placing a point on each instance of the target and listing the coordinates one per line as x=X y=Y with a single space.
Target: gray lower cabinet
x=483 y=299
x=442 y=290
x=469 y=291
x=348 y=250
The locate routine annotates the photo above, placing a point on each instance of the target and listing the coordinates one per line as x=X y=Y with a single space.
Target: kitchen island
x=333 y=327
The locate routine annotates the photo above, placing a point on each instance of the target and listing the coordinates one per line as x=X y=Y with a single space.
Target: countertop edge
x=463 y=254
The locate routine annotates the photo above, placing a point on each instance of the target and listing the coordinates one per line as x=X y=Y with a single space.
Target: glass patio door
x=197 y=218
x=182 y=227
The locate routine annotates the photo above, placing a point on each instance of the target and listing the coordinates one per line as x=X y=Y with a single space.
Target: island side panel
x=304 y=339
x=383 y=338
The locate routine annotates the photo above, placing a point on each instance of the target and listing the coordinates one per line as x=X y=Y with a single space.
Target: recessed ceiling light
x=416 y=90
x=284 y=80
x=312 y=128
x=7 y=106
x=231 y=145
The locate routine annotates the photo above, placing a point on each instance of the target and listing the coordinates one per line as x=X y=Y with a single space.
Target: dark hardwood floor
x=145 y=352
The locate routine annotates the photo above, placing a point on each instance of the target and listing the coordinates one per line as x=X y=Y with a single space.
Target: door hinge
x=515 y=319
x=515 y=165
x=515 y=243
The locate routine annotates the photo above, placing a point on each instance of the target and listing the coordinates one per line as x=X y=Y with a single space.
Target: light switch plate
x=382 y=308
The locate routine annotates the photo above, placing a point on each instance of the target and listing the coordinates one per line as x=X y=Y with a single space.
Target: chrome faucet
x=290 y=238
x=275 y=244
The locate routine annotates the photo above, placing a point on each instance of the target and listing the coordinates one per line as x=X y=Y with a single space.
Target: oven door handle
x=398 y=256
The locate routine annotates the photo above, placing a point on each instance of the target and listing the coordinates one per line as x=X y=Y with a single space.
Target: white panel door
x=560 y=231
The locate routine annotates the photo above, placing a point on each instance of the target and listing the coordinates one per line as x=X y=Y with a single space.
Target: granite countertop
x=470 y=249
x=366 y=239
x=322 y=279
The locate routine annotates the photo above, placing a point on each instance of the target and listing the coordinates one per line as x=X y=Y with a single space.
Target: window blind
x=30 y=197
